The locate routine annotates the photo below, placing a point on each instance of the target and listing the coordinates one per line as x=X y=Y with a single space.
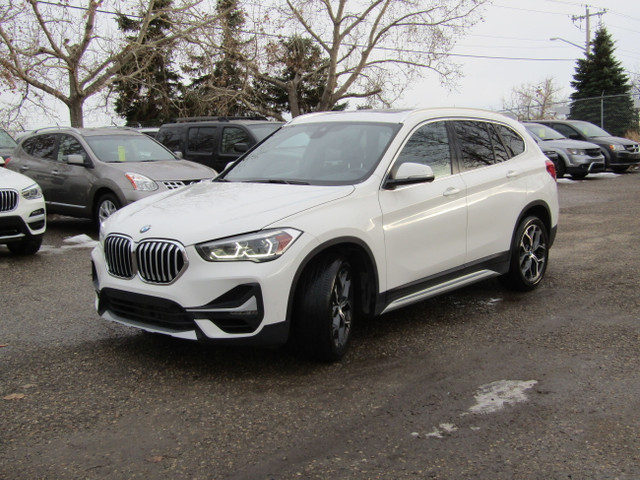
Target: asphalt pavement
x=481 y=383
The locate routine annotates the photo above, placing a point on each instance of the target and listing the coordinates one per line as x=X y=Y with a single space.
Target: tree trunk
x=75 y=112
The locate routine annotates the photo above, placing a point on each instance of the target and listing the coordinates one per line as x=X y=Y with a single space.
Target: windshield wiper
x=278 y=181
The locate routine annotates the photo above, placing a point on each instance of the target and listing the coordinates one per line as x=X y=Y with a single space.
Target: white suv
x=23 y=218
x=336 y=217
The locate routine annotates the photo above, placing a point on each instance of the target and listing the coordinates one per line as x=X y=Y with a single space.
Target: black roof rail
x=217 y=119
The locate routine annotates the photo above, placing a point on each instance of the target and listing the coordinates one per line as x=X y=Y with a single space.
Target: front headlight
x=576 y=151
x=256 y=247
x=140 y=182
x=31 y=192
x=616 y=147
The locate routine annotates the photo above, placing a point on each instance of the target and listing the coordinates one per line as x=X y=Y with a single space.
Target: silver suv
x=92 y=172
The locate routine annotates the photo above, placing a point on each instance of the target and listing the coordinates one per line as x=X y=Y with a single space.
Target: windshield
x=264 y=130
x=590 y=130
x=544 y=133
x=6 y=141
x=317 y=153
x=128 y=148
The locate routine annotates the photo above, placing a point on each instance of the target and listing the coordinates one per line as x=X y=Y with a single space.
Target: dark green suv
x=214 y=141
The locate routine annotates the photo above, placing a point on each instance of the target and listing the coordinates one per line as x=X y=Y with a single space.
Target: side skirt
x=448 y=281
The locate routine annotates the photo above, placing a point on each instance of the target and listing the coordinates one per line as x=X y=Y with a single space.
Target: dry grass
x=633 y=135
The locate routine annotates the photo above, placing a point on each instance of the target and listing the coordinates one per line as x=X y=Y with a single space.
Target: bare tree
x=534 y=101
x=371 y=49
x=72 y=53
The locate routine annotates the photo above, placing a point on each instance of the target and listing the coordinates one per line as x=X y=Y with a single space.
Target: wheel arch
x=541 y=210
x=101 y=191
x=361 y=257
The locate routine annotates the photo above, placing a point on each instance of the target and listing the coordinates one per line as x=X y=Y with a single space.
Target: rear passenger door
x=40 y=162
x=494 y=171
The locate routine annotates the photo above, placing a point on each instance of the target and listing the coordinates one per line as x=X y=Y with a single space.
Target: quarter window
x=512 y=140
x=429 y=145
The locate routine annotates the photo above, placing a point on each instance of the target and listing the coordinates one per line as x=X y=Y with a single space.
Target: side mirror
x=178 y=154
x=75 y=159
x=410 y=173
x=241 y=147
x=2 y=162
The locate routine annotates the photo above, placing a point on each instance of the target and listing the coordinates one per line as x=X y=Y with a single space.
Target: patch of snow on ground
x=496 y=395
x=77 y=241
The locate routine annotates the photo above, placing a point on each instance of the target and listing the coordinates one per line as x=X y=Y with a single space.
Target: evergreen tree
x=602 y=89
x=219 y=89
x=149 y=90
x=299 y=79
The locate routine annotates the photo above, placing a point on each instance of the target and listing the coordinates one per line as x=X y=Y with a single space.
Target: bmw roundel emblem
x=145 y=229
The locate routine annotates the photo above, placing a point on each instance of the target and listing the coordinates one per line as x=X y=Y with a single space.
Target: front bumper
x=232 y=303
x=14 y=228
x=624 y=159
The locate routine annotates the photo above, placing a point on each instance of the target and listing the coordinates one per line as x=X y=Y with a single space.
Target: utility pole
x=587 y=17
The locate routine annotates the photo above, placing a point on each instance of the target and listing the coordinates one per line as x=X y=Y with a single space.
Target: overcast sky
x=522 y=29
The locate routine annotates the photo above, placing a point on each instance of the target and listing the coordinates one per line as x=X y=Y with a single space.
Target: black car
x=619 y=153
x=214 y=141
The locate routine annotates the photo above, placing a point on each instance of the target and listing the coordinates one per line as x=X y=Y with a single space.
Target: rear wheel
x=27 y=246
x=560 y=168
x=324 y=309
x=529 y=255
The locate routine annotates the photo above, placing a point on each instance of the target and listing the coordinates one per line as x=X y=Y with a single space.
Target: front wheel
x=106 y=206
x=529 y=255
x=324 y=309
x=27 y=246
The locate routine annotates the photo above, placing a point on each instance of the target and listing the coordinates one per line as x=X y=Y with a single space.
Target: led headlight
x=256 y=247
x=140 y=182
x=31 y=192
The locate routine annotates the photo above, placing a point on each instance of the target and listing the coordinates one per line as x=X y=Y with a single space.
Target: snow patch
x=496 y=395
x=75 y=242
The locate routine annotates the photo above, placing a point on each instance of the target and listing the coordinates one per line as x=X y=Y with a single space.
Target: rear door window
x=42 y=146
x=201 y=139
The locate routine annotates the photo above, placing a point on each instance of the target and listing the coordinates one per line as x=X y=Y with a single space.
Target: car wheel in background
x=324 y=309
x=28 y=246
x=560 y=168
x=106 y=206
x=529 y=255
x=578 y=176
x=620 y=169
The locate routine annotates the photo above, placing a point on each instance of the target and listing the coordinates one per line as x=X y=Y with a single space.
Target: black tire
x=560 y=168
x=28 y=246
x=529 y=255
x=325 y=309
x=620 y=169
x=578 y=176
x=106 y=205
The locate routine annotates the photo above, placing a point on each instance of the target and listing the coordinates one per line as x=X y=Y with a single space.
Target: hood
x=167 y=170
x=210 y=210
x=11 y=179
x=613 y=140
x=568 y=143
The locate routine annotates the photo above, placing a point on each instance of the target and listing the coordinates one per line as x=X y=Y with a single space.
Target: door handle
x=512 y=173
x=24 y=168
x=55 y=172
x=449 y=192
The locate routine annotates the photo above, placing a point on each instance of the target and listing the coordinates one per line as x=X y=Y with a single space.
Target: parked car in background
x=7 y=145
x=575 y=157
x=23 y=218
x=214 y=141
x=620 y=153
x=336 y=217
x=92 y=172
